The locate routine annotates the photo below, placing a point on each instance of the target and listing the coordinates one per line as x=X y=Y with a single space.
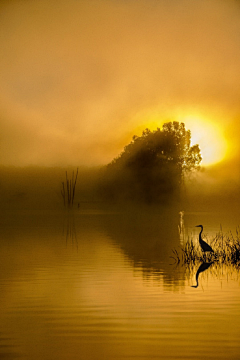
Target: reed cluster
x=68 y=189
x=226 y=250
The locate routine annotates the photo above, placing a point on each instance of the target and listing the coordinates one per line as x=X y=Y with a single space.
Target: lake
x=101 y=284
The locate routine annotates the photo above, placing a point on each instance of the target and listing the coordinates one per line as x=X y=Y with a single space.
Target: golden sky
x=79 y=78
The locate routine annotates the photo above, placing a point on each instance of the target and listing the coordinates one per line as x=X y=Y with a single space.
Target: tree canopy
x=152 y=166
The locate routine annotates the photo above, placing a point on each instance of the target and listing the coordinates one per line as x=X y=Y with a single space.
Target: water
x=101 y=285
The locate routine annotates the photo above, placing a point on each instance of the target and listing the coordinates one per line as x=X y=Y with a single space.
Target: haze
x=80 y=78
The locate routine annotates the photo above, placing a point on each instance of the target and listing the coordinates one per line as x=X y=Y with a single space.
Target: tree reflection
x=147 y=235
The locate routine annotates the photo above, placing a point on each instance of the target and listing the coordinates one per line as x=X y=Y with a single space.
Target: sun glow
x=210 y=138
x=205 y=131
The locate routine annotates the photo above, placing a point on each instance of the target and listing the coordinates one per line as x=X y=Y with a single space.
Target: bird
x=204 y=246
x=204 y=266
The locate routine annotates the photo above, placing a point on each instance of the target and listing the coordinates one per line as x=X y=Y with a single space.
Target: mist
x=81 y=78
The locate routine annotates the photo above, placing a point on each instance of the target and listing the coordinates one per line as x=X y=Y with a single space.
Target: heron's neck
x=200 y=234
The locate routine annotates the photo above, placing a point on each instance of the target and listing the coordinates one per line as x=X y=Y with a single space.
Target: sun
x=210 y=138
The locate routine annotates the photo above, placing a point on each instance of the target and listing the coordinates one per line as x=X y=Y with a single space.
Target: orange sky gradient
x=79 y=78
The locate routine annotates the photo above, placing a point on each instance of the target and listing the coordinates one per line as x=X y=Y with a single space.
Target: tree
x=152 y=167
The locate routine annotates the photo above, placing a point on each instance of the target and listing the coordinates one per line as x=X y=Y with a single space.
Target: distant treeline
x=152 y=167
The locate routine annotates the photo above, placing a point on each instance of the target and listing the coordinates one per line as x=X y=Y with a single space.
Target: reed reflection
x=203 y=267
x=69 y=230
x=181 y=227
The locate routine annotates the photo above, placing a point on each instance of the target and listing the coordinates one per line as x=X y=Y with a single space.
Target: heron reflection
x=204 y=266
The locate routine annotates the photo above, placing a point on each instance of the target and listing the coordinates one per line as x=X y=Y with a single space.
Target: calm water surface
x=100 y=285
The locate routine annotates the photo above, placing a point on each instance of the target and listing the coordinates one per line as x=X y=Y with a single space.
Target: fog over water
x=37 y=188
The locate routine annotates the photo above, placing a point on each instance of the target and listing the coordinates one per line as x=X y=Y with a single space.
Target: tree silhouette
x=152 y=167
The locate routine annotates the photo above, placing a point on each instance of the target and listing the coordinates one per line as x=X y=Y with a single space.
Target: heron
x=204 y=246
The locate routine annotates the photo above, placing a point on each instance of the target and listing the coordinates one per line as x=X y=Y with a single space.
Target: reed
x=226 y=250
x=68 y=189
